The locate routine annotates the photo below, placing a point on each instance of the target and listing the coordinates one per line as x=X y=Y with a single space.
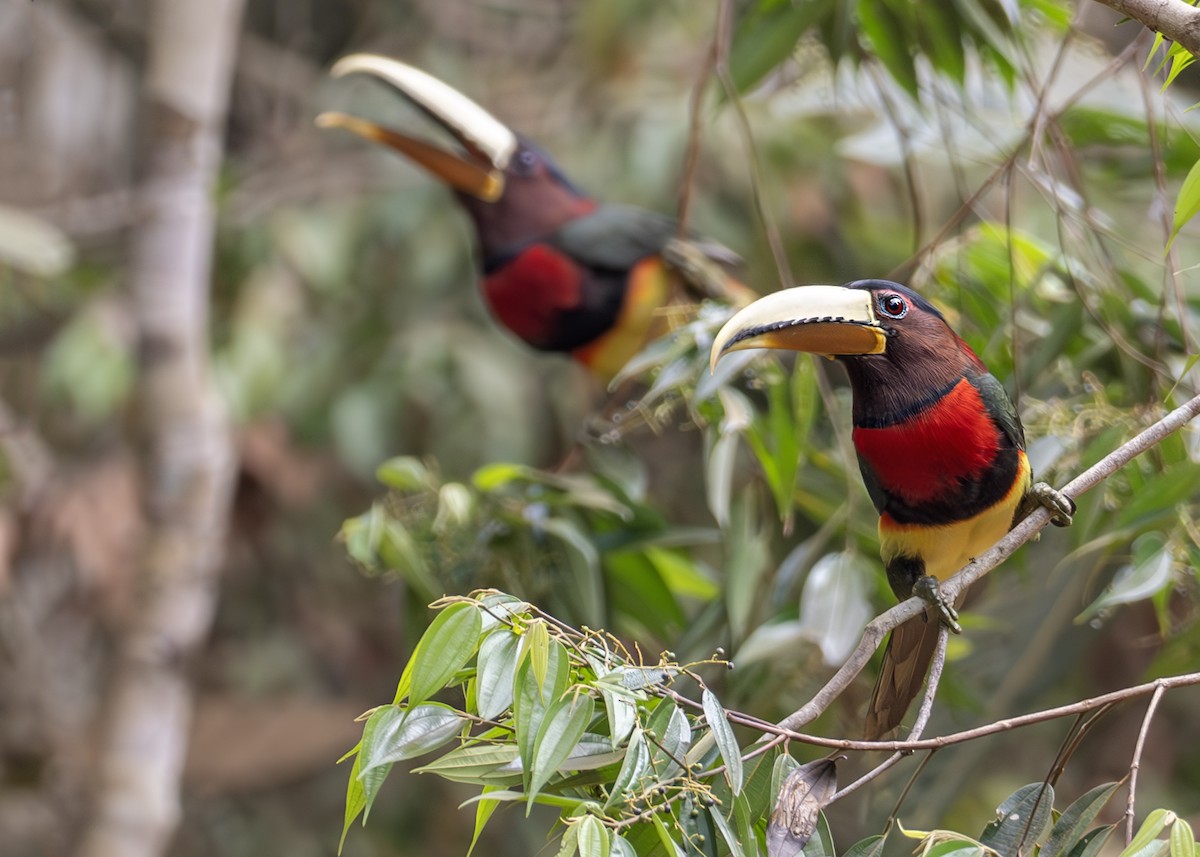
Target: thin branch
x=724 y=38
x=1137 y=761
x=994 y=728
x=691 y=160
x=878 y=627
x=1174 y=19
x=931 y=687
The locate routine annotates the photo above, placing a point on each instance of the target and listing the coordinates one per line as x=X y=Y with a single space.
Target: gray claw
x=927 y=587
x=1062 y=507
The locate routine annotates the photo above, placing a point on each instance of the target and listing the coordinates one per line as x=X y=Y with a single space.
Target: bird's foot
x=1062 y=507
x=927 y=588
x=701 y=276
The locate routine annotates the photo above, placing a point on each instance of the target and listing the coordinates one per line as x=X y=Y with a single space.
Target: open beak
x=487 y=143
x=830 y=320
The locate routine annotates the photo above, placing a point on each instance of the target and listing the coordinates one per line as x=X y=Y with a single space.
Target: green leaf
x=392 y=734
x=356 y=801
x=1076 y=819
x=664 y=836
x=872 y=846
x=483 y=811
x=1183 y=842
x=533 y=700
x=479 y=764
x=720 y=477
x=889 y=41
x=1091 y=844
x=570 y=841
x=1150 y=572
x=593 y=837
x=767 y=38
x=405 y=473
x=1020 y=820
x=780 y=771
x=699 y=836
x=490 y=477
x=633 y=769
x=743 y=816
x=735 y=845
x=681 y=574
x=622 y=715
x=561 y=728
x=444 y=649
x=1187 y=204
x=727 y=744
x=495 y=674
x=1148 y=832
x=620 y=847
x=537 y=645
x=671 y=737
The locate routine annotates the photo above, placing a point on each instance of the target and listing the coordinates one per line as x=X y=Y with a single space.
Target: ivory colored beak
x=829 y=320
x=488 y=142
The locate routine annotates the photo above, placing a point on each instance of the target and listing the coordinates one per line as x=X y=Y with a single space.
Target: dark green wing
x=1000 y=406
x=617 y=237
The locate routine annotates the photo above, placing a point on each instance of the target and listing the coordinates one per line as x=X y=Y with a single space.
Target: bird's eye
x=893 y=306
x=526 y=161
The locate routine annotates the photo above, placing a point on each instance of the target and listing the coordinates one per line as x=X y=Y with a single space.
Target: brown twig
x=878 y=628
x=1137 y=761
x=993 y=728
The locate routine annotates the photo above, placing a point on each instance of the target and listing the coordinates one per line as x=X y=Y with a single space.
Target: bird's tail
x=905 y=661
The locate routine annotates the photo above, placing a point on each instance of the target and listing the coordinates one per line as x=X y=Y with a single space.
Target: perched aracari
x=561 y=271
x=940 y=447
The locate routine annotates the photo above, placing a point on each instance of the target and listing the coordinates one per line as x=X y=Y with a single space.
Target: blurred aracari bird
x=940 y=447
x=560 y=270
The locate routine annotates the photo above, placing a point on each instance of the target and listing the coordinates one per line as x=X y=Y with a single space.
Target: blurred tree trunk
x=187 y=456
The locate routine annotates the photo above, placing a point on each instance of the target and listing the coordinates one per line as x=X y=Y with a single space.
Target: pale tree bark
x=1176 y=20
x=187 y=451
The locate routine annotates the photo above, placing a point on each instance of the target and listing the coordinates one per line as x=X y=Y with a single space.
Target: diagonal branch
x=1176 y=20
x=878 y=627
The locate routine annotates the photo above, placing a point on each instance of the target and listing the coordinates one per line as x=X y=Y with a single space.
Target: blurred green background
x=1038 y=172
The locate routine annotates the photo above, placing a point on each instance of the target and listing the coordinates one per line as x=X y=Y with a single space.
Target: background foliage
x=1011 y=160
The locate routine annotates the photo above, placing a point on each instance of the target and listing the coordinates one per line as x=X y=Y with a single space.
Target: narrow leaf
x=1090 y=845
x=495 y=674
x=1020 y=820
x=444 y=649
x=735 y=845
x=1187 y=204
x=1183 y=842
x=483 y=811
x=561 y=729
x=415 y=732
x=727 y=744
x=1076 y=819
x=593 y=837
x=629 y=778
x=356 y=801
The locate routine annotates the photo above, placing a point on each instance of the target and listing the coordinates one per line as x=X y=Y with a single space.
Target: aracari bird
x=560 y=270
x=940 y=447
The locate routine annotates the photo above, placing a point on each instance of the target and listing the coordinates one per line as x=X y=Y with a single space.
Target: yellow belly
x=947 y=549
x=640 y=321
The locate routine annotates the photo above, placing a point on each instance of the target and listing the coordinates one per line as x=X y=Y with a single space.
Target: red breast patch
x=527 y=294
x=926 y=455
